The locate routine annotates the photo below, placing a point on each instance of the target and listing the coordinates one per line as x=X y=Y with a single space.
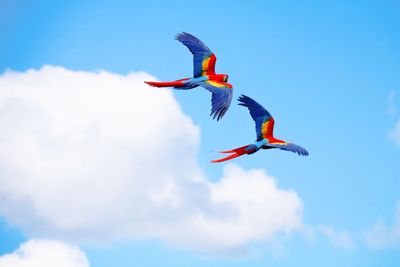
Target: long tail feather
x=177 y=83
x=164 y=84
x=234 y=150
x=237 y=152
x=226 y=158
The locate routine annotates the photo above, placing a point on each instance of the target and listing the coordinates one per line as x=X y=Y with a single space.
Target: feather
x=262 y=118
x=237 y=152
x=221 y=97
x=203 y=59
x=289 y=147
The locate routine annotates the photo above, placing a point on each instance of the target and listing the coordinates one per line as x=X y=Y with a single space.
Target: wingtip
x=219 y=113
x=181 y=35
x=215 y=115
x=303 y=153
x=244 y=100
x=178 y=35
x=242 y=96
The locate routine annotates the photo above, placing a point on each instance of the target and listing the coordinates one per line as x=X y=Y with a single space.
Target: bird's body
x=264 y=128
x=216 y=80
x=203 y=75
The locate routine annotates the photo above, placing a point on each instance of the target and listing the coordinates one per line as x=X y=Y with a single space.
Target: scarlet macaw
x=264 y=128
x=203 y=75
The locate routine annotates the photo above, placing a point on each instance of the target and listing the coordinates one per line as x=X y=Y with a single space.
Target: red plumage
x=237 y=152
x=176 y=83
x=203 y=75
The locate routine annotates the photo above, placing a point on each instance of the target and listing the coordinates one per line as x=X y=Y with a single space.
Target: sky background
x=328 y=71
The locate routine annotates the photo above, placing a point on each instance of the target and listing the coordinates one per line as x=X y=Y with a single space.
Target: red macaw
x=264 y=128
x=204 y=75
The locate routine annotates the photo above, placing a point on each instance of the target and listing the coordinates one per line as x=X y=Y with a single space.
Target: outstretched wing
x=203 y=59
x=263 y=119
x=221 y=97
x=290 y=147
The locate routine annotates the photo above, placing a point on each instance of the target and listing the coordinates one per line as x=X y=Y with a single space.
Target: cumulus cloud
x=339 y=238
x=382 y=236
x=251 y=208
x=45 y=253
x=96 y=157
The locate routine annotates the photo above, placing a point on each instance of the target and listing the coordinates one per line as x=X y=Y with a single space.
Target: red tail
x=176 y=83
x=237 y=152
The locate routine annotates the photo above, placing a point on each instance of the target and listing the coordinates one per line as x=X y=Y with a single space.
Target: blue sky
x=328 y=71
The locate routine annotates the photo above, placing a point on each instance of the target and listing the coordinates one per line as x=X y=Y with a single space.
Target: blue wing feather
x=290 y=147
x=199 y=50
x=257 y=112
x=221 y=99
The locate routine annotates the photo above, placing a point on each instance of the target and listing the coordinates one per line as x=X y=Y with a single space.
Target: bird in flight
x=203 y=75
x=264 y=128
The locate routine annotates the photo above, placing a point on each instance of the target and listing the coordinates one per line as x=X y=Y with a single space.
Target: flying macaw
x=203 y=75
x=264 y=128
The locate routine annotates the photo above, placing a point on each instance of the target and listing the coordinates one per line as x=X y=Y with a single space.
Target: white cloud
x=251 y=208
x=94 y=157
x=394 y=134
x=381 y=236
x=44 y=253
x=339 y=238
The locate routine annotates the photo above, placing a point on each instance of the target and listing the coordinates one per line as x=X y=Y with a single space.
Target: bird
x=203 y=75
x=264 y=128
